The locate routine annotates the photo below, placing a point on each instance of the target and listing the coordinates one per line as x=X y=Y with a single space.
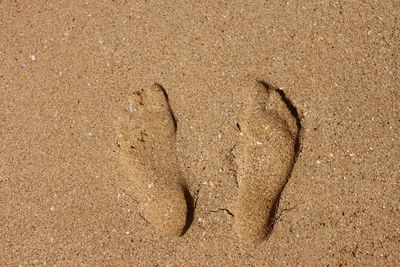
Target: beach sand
x=69 y=69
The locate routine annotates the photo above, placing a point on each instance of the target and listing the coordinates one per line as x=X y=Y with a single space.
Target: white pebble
x=130 y=108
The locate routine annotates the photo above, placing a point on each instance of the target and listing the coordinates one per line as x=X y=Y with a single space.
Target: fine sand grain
x=199 y=133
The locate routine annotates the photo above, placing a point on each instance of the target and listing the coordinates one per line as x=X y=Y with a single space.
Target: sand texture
x=199 y=133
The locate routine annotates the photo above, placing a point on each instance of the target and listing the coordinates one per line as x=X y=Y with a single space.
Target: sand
x=69 y=69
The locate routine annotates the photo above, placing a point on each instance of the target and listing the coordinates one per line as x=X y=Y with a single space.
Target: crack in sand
x=224 y=210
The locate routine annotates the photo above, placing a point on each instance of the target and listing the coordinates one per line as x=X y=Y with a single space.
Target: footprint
x=270 y=139
x=146 y=133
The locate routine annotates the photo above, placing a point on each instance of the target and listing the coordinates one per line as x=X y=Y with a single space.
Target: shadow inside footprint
x=190 y=205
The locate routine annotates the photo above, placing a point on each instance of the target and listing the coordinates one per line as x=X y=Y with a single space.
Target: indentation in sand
x=146 y=132
x=261 y=162
x=264 y=158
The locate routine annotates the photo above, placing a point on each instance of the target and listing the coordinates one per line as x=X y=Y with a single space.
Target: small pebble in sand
x=51 y=208
x=33 y=57
x=130 y=108
x=150 y=185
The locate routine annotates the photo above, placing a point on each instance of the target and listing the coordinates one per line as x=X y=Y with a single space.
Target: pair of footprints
x=268 y=148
